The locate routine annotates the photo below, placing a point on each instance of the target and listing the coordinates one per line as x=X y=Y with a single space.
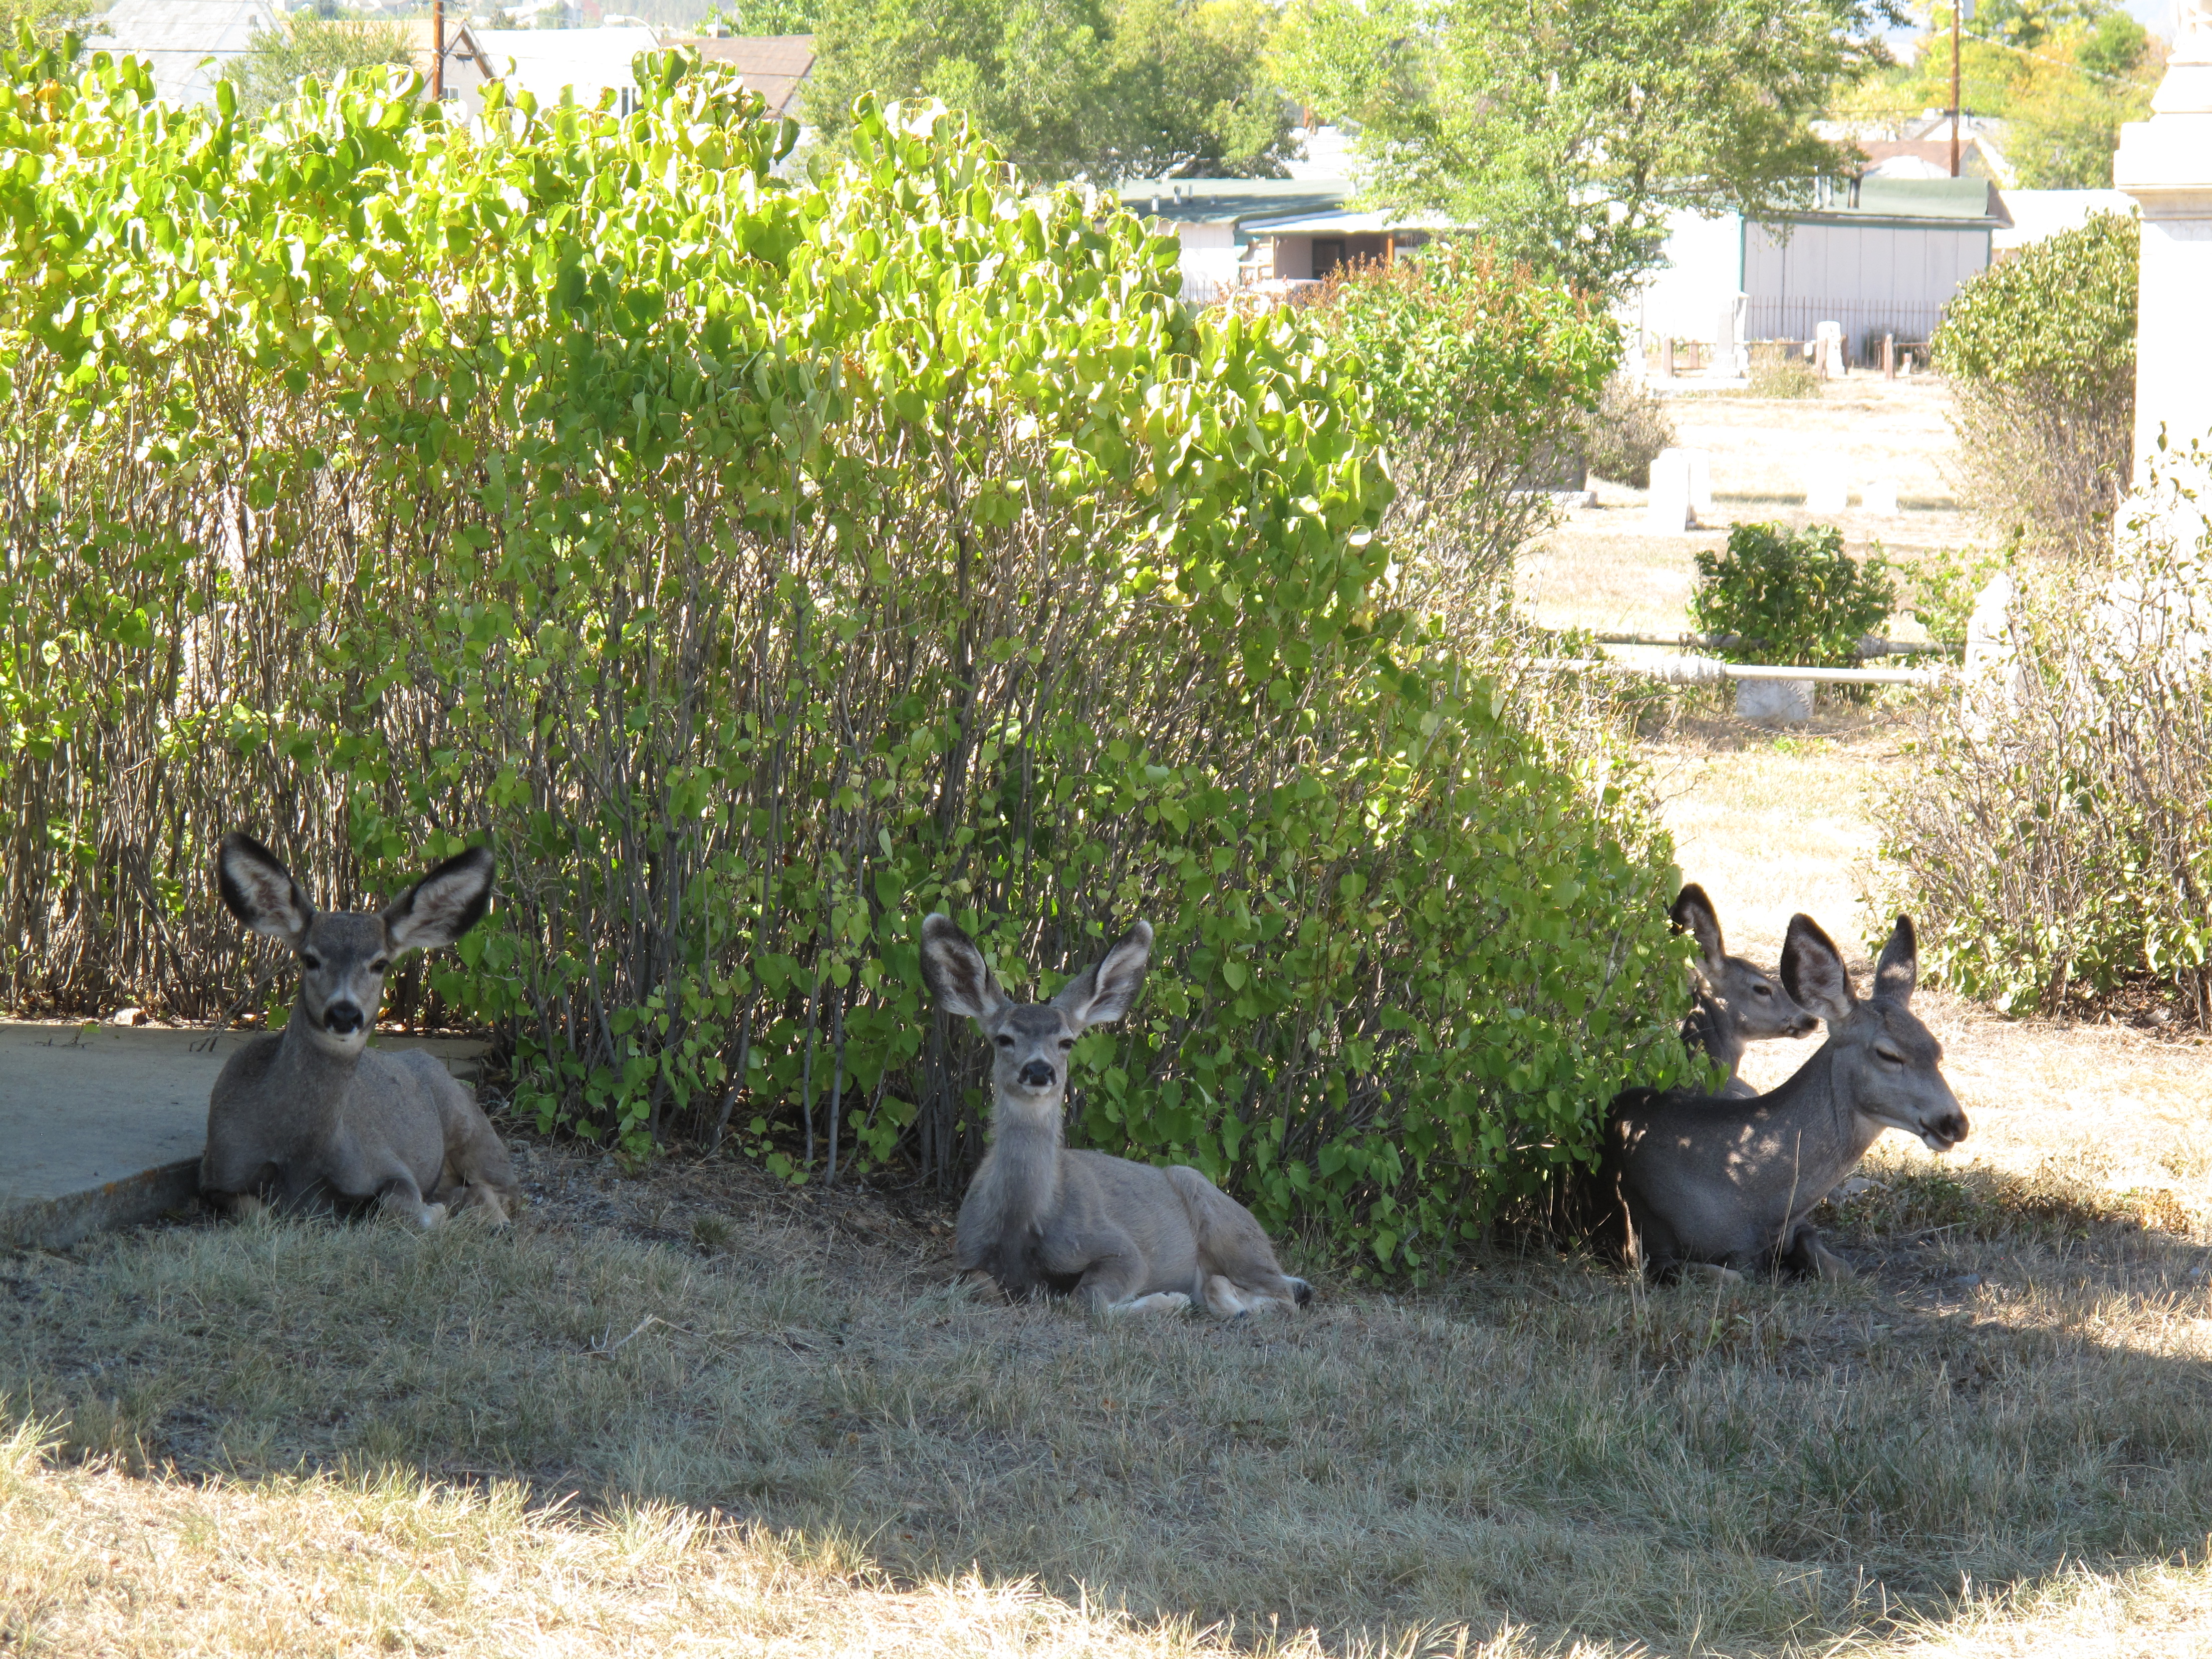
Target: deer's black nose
x=1038 y=1074
x=342 y=1019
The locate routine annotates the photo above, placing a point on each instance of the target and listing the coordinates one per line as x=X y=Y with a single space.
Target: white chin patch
x=1935 y=1143
x=339 y=1045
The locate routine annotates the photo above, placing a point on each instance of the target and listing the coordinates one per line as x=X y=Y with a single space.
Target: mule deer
x=1737 y=1004
x=1123 y=1237
x=1716 y=1182
x=312 y=1115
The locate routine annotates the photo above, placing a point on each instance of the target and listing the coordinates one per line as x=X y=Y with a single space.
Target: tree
x=49 y=21
x=1566 y=130
x=2062 y=76
x=765 y=17
x=276 y=58
x=1101 y=90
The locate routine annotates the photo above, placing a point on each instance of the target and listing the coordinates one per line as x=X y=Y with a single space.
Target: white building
x=1879 y=256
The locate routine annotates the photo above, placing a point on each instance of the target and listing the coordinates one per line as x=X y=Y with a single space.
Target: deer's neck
x=313 y=1076
x=1824 y=1133
x=1025 y=1149
x=1709 y=1028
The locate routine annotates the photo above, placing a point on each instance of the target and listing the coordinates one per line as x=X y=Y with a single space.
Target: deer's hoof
x=430 y=1216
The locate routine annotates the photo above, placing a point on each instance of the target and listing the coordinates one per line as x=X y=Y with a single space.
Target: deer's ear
x=442 y=906
x=1813 y=972
x=1897 y=971
x=260 y=891
x=958 y=977
x=1693 y=913
x=1104 y=992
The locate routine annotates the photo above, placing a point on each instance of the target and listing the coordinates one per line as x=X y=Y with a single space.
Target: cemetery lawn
x=683 y=1412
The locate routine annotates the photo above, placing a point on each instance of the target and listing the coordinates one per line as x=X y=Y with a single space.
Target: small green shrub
x=1945 y=583
x=1790 y=596
x=1786 y=375
x=1624 y=435
x=2040 y=352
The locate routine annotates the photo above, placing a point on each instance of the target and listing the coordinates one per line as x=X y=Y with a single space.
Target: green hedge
x=765 y=563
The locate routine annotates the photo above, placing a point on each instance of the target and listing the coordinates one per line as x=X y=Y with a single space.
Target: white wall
x=1867 y=276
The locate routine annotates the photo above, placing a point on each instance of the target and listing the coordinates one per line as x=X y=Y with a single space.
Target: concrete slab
x=103 y=1124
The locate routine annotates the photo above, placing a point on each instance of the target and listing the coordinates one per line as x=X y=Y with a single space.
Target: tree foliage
x=766 y=564
x=1564 y=130
x=1097 y=89
x=299 y=46
x=2062 y=77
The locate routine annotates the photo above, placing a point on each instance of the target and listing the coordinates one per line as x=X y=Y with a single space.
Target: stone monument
x=2165 y=164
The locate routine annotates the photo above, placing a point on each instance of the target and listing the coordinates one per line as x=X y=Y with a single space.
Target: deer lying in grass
x=312 y=1116
x=1737 y=1004
x=1122 y=1236
x=1722 y=1184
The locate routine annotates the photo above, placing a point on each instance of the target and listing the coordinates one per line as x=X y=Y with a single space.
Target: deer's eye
x=1005 y=1043
x=1891 y=1055
x=1761 y=991
x=379 y=964
x=310 y=960
x=1067 y=1042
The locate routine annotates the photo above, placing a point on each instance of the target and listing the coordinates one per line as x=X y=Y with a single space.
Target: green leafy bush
x=767 y=563
x=2040 y=352
x=1624 y=435
x=2050 y=834
x=1790 y=596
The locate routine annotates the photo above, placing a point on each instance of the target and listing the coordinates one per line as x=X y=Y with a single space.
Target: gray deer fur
x=313 y=1117
x=1737 y=1003
x=1041 y=1219
x=1719 y=1183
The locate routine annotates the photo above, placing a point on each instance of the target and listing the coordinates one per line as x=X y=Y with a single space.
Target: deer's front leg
x=1114 y=1273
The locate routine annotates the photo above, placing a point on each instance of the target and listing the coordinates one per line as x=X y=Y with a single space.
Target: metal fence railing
x=1864 y=322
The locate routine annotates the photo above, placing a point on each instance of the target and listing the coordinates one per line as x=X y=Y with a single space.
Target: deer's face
x=343 y=957
x=345 y=954
x=1889 y=1071
x=1030 y=1043
x=1756 y=1003
x=1887 y=1066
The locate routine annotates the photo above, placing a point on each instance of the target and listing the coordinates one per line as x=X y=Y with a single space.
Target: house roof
x=774 y=65
x=175 y=36
x=1345 y=222
x=1964 y=203
x=1232 y=201
x=545 y=61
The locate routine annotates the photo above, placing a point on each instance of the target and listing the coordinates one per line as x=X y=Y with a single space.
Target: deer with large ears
x=1725 y=1185
x=1737 y=1003
x=313 y=1117
x=1041 y=1219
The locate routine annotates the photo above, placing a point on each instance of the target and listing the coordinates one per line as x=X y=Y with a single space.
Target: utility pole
x=1957 y=6
x=438 y=68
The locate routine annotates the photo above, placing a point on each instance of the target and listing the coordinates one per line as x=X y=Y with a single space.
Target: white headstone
x=1827 y=486
x=1668 y=511
x=1781 y=702
x=1879 y=498
x=1828 y=350
x=1993 y=677
x=1731 y=357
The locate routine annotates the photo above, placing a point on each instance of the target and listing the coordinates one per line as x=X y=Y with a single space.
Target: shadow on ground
x=1536 y=1442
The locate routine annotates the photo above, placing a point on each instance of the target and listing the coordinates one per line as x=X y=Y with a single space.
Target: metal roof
x=1230 y=201
x=1964 y=203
